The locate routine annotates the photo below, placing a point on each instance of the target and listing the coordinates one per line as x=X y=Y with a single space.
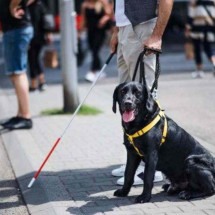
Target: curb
x=22 y=168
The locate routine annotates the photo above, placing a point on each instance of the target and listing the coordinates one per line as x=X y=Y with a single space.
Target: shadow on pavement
x=87 y=191
x=9 y=190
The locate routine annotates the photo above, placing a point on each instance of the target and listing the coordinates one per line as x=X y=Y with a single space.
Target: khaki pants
x=130 y=45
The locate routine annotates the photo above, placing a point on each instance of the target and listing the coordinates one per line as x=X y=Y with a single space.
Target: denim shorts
x=16 y=44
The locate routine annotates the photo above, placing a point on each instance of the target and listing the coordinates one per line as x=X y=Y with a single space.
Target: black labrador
x=189 y=167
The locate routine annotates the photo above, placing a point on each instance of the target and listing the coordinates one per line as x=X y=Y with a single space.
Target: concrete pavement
x=11 y=201
x=77 y=179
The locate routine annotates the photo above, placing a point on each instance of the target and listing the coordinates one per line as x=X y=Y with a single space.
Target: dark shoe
x=19 y=123
x=9 y=121
x=32 y=89
x=42 y=87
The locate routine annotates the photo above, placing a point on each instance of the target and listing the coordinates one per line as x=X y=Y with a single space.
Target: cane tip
x=31 y=183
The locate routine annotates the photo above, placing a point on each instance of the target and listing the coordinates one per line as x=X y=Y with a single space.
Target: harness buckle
x=140 y=132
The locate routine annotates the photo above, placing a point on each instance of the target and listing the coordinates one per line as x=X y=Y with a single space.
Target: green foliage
x=84 y=110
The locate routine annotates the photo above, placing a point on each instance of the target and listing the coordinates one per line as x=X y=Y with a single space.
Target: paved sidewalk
x=77 y=179
x=11 y=201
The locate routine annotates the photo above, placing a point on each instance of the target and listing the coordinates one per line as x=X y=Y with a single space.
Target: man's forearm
x=164 y=11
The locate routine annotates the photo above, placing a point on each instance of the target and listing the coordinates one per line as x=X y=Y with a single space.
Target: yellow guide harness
x=148 y=128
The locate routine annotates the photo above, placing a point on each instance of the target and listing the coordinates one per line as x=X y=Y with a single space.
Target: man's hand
x=114 y=40
x=17 y=12
x=15 y=9
x=153 y=43
x=164 y=11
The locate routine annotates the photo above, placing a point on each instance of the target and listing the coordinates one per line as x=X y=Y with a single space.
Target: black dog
x=157 y=140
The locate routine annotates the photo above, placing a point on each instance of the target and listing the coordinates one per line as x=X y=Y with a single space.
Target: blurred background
x=173 y=45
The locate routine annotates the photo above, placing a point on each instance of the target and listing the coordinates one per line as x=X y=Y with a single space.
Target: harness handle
x=140 y=63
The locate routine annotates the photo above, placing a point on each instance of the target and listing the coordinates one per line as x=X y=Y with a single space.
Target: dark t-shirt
x=9 y=22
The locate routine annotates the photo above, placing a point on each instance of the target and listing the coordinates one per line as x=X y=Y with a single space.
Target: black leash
x=140 y=63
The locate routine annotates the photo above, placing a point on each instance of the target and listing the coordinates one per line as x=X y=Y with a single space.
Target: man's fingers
x=151 y=50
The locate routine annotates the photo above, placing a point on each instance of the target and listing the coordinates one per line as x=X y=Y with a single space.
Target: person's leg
x=198 y=58
x=132 y=40
x=141 y=33
x=209 y=52
x=91 y=75
x=20 y=83
x=123 y=70
x=32 y=54
x=96 y=40
x=96 y=64
x=16 y=64
x=41 y=75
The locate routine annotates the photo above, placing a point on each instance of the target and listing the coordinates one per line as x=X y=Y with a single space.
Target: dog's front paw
x=142 y=199
x=185 y=195
x=120 y=193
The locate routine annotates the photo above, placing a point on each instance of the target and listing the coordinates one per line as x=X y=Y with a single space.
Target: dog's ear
x=115 y=97
x=149 y=100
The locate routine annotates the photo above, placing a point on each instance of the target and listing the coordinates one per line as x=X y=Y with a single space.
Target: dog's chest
x=139 y=145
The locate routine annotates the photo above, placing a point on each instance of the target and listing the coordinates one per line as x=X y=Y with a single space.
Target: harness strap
x=148 y=128
x=164 y=131
x=141 y=65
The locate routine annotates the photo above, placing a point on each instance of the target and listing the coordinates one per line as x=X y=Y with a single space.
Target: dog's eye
x=136 y=92
x=122 y=92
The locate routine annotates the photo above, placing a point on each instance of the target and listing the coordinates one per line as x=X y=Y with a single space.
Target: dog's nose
x=128 y=104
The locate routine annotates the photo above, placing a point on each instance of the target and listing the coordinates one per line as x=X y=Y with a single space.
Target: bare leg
x=21 y=86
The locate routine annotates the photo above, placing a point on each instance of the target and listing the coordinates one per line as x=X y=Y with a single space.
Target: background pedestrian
x=17 y=33
x=201 y=29
x=96 y=16
x=42 y=36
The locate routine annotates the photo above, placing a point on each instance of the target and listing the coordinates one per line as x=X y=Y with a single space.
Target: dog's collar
x=148 y=128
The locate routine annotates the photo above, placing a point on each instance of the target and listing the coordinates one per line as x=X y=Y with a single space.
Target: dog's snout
x=128 y=104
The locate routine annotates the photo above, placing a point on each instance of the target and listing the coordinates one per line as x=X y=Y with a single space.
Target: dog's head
x=134 y=99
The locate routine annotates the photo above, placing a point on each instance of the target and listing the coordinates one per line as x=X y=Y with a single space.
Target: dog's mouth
x=128 y=115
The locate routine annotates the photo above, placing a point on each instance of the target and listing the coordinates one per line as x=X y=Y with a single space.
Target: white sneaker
x=139 y=181
x=119 y=172
x=90 y=76
x=198 y=74
x=158 y=176
x=195 y=74
x=201 y=74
